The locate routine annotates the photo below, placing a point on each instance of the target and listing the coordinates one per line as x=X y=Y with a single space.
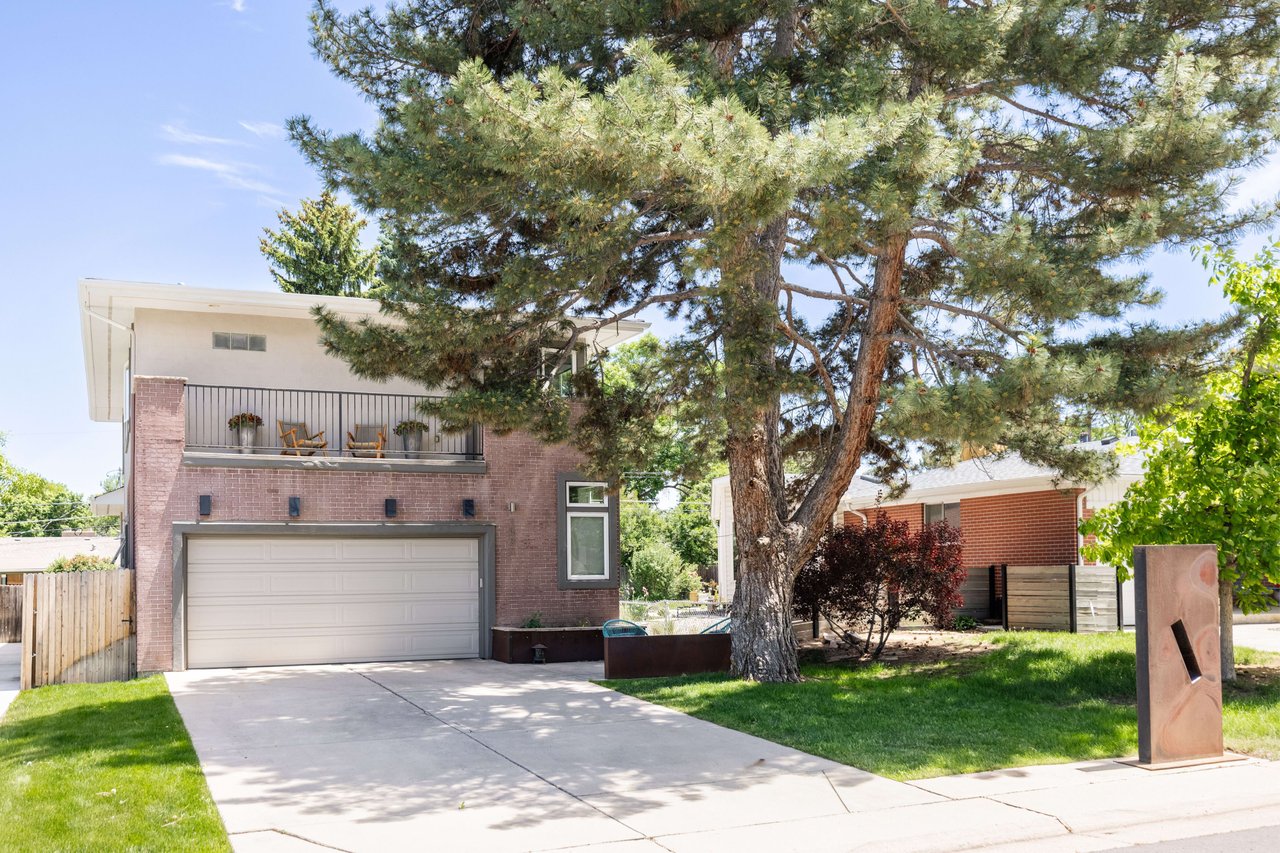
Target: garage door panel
x=330 y=600
x=455 y=550
x=344 y=648
x=376 y=550
x=303 y=550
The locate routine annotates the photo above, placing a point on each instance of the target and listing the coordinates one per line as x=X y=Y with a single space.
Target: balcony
x=330 y=419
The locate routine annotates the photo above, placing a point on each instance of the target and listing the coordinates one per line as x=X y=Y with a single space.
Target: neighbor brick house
x=321 y=536
x=1009 y=511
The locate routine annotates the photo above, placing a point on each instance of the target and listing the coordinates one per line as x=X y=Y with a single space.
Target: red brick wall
x=521 y=469
x=1026 y=529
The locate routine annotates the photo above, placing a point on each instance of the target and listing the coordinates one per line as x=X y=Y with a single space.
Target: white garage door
x=264 y=600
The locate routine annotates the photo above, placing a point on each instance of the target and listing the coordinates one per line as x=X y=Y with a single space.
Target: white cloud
x=230 y=174
x=264 y=129
x=202 y=163
x=237 y=5
x=176 y=132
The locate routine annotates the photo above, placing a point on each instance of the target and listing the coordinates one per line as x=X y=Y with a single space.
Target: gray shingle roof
x=987 y=469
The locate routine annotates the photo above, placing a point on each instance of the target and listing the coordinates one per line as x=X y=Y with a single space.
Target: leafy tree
x=1210 y=466
x=657 y=573
x=867 y=579
x=639 y=524
x=689 y=528
x=82 y=563
x=30 y=505
x=317 y=250
x=677 y=447
x=875 y=223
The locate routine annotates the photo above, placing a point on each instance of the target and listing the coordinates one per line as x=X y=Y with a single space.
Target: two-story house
x=280 y=510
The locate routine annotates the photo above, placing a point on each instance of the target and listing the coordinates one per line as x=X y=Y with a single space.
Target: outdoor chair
x=368 y=441
x=623 y=628
x=721 y=627
x=298 y=440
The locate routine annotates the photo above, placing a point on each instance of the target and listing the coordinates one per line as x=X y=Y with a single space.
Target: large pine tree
x=879 y=221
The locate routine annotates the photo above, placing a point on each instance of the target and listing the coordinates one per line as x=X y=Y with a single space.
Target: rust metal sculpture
x=1179 y=671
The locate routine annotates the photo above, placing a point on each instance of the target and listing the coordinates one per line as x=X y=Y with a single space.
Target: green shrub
x=658 y=573
x=534 y=621
x=82 y=563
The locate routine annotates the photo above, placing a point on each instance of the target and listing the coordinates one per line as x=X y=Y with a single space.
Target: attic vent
x=235 y=340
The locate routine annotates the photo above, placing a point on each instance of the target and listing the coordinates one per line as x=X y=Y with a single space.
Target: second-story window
x=239 y=341
x=558 y=368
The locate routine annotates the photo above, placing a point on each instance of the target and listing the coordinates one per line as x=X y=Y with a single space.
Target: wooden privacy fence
x=1080 y=599
x=78 y=627
x=10 y=613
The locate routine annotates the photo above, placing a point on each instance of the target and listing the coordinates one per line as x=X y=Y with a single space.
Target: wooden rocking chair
x=368 y=441
x=298 y=440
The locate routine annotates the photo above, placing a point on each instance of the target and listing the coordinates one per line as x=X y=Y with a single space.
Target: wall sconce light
x=295 y=506
x=206 y=505
x=468 y=508
x=389 y=507
x=511 y=506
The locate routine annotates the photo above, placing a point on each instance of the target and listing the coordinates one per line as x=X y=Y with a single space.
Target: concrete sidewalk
x=477 y=755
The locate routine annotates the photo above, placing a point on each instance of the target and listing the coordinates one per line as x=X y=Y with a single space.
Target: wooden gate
x=10 y=613
x=78 y=627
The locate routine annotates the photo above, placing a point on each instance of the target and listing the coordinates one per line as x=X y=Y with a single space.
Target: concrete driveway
x=1263 y=636
x=477 y=755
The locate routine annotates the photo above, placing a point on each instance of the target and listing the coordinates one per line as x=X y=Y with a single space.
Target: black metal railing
x=346 y=423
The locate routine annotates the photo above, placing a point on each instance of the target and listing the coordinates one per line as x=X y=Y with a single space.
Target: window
x=588 y=545
x=238 y=341
x=587 y=494
x=587 y=534
x=950 y=513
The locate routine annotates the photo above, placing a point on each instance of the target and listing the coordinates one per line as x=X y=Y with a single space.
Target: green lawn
x=1037 y=699
x=102 y=767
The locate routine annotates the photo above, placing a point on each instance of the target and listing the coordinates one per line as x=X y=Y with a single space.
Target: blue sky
x=144 y=141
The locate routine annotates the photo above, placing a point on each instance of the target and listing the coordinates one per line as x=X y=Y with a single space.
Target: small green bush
x=82 y=563
x=658 y=573
x=534 y=621
x=965 y=623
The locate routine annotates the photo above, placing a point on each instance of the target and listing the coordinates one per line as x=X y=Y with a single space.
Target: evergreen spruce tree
x=879 y=221
x=317 y=250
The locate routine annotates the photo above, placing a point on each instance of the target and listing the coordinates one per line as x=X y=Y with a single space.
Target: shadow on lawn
x=130 y=731
x=1030 y=701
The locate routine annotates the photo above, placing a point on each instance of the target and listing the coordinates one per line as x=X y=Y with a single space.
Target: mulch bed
x=907 y=647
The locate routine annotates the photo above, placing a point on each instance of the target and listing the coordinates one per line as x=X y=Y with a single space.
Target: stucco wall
x=180 y=343
x=520 y=469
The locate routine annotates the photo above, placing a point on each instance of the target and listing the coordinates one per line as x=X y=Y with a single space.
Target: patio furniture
x=623 y=628
x=368 y=441
x=721 y=627
x=298 y=440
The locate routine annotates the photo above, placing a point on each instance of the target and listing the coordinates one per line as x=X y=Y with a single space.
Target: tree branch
x=819 y=366
x=968 y=312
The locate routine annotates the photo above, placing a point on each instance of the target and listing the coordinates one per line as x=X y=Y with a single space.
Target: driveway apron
x=478 y=755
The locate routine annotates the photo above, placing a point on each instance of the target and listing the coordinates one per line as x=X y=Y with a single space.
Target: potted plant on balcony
x=245 y=426
x=410 y=433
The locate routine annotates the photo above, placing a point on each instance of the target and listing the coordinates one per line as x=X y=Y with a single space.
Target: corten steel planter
x=675 y=654
x=563 y=645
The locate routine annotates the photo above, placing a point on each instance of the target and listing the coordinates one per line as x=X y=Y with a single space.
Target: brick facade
x=1024 y=529
x=520 y=469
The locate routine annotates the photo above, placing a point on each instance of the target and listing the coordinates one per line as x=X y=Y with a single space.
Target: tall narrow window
x=588 y=534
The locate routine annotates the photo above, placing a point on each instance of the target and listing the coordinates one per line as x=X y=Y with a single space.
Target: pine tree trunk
x=1226 y=627
x=764 y=646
